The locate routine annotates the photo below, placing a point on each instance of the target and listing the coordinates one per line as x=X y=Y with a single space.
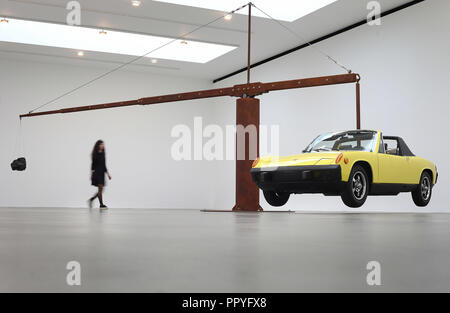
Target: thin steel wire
x=135 y=59
x=302 y=38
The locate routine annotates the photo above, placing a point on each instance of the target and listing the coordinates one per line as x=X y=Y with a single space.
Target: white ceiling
x=283 y=10
x=163 y=19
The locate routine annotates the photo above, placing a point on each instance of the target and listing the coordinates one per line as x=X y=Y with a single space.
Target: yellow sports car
x=352 y=164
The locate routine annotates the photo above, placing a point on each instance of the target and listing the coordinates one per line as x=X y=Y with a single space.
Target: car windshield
x=344 y=141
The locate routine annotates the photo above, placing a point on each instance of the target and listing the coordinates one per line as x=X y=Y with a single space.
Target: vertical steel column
x=247 y=193
x=358 y=106
x=249 y=41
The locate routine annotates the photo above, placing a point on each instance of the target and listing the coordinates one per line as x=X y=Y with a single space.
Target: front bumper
x=326 y=179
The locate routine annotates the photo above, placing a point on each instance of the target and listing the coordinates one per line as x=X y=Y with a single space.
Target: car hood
x=305 y=159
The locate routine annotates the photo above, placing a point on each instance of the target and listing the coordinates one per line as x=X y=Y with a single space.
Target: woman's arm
x=92 y=167
x=107 y=172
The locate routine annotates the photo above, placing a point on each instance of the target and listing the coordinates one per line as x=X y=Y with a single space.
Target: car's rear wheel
x=356 y=190
x=422 y=194
x=276 y=199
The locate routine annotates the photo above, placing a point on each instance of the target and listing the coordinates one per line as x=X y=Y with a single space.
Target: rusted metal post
x=247 y=193
x=358 y=105
x=249 y=41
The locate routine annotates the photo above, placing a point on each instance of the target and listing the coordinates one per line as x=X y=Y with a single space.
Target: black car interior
x=396 y=146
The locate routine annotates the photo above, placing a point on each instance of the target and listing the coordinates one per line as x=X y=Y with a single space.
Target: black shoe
x=103 y=207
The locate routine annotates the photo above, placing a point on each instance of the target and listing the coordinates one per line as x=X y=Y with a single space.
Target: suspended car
x=350 y=164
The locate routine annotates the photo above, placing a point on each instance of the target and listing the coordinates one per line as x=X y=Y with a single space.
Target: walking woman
x=98 y=171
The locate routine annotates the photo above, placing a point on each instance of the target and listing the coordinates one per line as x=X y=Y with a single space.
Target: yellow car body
x=388 y=172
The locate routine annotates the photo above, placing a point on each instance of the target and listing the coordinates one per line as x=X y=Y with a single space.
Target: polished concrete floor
x=191 y=251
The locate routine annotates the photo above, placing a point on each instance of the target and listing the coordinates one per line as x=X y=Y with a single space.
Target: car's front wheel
x=356 y=190
x=422 y=194
x=276 y=199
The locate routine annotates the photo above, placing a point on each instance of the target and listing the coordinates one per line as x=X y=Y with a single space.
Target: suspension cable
x=135 y=59
x=302 y=38
x=18 y=140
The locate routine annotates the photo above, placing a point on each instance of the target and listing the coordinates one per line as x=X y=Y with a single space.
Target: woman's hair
x=96 y=149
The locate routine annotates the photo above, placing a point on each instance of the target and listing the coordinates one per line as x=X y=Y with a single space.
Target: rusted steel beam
x=203 y=94
x=240 y=91
x=256 y=89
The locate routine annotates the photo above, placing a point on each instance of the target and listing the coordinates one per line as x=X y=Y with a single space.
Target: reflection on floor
x=191 y=251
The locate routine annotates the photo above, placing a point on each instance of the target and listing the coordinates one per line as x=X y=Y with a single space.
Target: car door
x=393 y=168
x=410 y=174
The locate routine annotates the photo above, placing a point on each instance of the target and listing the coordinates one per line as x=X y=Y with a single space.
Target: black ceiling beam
x=343 y=30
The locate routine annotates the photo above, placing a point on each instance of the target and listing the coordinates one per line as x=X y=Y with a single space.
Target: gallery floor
x=192 y=251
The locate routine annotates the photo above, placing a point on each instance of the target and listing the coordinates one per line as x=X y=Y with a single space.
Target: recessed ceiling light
x=136 y=3
x=102 y=32
x=80 y=53
x=228 y=17
x=154 y=61
x=284 y=10
x=86 y=39
x=184 y=42
x=4 y=20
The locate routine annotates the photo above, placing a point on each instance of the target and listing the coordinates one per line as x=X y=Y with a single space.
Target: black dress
x=98 y=169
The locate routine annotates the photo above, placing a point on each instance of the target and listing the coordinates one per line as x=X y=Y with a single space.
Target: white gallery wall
x=138 y=139
x=404 y=64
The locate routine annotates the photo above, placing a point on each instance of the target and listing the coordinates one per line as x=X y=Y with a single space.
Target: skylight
x=284 y=10
x=107 y=41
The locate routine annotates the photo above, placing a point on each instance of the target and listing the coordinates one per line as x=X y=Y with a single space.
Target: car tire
x=276 y=199
x=422 y=194
x=356 y=190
